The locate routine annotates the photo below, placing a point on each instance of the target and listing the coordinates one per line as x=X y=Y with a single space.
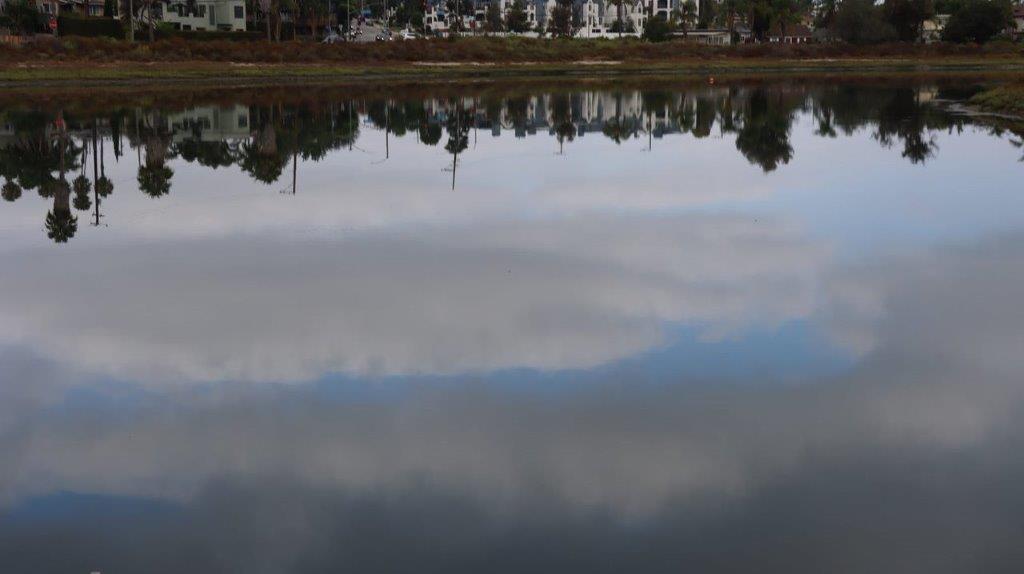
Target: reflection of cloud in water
x=893 y=464
x=505 y=186
x=562 y=294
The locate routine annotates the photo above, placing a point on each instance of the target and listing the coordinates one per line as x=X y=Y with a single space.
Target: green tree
x=861 y=22
x=825 y=13
x=658 y=29
x=978 y=21
x=493 y=22
x=708 y=13
x=685 y=16
x=516 y=20
x=907 y=17
x=785 y=13
x=22 y=16
x=560 y=23
x=619 y=25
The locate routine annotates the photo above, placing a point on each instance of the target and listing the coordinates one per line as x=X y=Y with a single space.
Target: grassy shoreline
x=235 y=72
x=1002 y=100
x=100 y=60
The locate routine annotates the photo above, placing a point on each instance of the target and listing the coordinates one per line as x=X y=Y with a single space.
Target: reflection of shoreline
x=38 y=149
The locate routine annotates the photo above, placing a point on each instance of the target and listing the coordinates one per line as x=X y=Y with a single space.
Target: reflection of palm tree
x=561 y=116
x=618 y=129
x=11 y=191
x=430 y=133
x=458 y=135
x=259 y=156
x=155 y=180
x=61 y=224
x=154 y=176
x=764 y=137
x=82 y=187
x=104 y=186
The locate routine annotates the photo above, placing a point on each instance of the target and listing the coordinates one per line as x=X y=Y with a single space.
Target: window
x=202 y=10
x=243 y=121
x=239 y=13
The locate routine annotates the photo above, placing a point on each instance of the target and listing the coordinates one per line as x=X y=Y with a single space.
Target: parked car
x=407 y=35
x=333 y=38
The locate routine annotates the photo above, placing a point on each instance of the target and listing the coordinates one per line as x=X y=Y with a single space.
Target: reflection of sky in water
x=610 y=359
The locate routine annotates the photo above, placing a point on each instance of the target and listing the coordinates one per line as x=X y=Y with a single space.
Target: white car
x=407 y=35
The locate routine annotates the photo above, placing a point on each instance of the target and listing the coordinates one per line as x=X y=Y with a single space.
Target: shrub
x=658 y=29
x=69 y=25
x=208 y=36
x=22 y=16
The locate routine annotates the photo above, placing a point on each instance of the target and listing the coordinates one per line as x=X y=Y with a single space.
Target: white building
x=211 y=123
x=227 y=15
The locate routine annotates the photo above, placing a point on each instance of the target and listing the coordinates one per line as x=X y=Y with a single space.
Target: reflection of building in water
x=210 y=123
x=589 y=112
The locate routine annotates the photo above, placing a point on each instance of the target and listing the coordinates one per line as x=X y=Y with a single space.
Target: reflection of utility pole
x=95 y=176
x=295 y=167
x=650 y=142
x=387 y=128
x=458 y=141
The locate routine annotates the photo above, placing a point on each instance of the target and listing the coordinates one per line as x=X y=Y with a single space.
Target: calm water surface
x=534 y=328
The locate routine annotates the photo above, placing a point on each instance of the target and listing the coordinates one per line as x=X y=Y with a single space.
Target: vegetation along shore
x=104 y=60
